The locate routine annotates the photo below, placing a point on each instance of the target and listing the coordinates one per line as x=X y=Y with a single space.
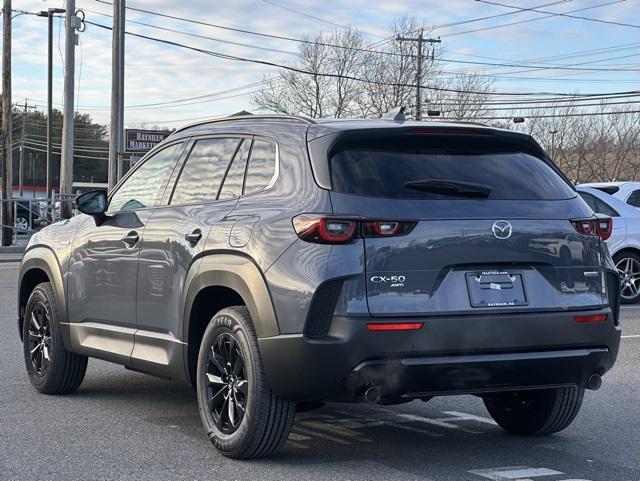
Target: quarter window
x=599 y=206
x=262 y=166
x=144 y=187
x=204 y=170
x=634 y=199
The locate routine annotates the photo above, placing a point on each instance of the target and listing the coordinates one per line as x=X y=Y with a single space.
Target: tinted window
x=204 y=170
x=606 y=209
x=634 y=198
x=599 y=206
x=232 y=186
x=262 y=166
x=382 y=167
x=145 y=186
x=590 y=200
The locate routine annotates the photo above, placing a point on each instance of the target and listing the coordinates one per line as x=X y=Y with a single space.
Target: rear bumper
x=449 y=355
x=470 y=374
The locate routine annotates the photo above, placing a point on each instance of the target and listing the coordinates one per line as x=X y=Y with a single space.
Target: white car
x=628 y=192
x=624 y=243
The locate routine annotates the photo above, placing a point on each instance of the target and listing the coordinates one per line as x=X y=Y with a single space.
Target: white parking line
x=631 y=336
x=471 y=417
x=514 y=472
x=442 y=422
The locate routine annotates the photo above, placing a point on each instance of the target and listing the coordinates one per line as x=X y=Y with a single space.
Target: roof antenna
x=396 y=114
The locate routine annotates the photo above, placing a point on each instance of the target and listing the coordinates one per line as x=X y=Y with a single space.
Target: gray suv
x=276 y=261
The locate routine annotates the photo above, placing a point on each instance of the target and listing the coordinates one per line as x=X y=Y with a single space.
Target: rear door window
x=232 y=185
x=391 y=168
x=202 y=174
x=262 y=166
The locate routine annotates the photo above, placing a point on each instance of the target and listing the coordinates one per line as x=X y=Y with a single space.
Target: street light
x=49 y=14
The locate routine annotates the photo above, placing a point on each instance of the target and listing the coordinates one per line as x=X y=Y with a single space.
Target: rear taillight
x=325 y=230
x=600 y=226
x=336 y=229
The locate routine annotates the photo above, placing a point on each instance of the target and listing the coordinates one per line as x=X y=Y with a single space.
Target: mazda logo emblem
x=501 y=229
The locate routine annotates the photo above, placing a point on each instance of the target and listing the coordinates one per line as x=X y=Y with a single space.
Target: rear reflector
x=395 y=326
x=591 y=318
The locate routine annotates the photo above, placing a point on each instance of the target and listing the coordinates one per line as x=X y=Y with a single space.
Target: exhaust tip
x=594 y=382
x=372 y=395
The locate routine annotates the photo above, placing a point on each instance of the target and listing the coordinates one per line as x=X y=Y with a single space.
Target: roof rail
x=235 y=117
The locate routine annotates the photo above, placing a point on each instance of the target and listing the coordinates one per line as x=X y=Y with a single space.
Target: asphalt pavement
x=125 y=425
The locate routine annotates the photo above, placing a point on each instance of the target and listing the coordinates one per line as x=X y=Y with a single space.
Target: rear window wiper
x=454 y=188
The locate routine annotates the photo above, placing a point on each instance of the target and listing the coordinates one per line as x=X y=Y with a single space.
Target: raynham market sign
x=143 y=140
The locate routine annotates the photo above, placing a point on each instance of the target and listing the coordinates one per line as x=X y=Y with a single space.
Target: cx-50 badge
x=501 y=229
x=393 y=281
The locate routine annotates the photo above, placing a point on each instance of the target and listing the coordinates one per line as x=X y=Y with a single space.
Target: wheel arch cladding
x=41 y=265
x=240 y=275
x=229 y=279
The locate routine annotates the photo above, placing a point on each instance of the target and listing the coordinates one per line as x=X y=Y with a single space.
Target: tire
x=535 y=413
x=628 y=265
x=21 y=223
x=63 y=371
x=252 y=422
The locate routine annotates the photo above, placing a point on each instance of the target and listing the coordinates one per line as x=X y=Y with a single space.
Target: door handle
x=131 y=239
x=194 y=237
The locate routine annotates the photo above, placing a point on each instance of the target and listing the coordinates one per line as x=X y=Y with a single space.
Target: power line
x=575 y=101
x=540 y=107
x=463 y=22
x=330 y=75
x=270 y=2
x=324 y=44
x=530 y=19
x=549 y=116
x=523 y=9
x=196 y=35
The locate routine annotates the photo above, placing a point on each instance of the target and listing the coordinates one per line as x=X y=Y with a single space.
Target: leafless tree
x=366 y=81
x=464 y=96
x=315 y=94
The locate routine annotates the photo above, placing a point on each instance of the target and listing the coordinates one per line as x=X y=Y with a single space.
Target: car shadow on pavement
x=411 y=439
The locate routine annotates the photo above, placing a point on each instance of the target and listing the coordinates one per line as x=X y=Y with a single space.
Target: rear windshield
x=384 y=168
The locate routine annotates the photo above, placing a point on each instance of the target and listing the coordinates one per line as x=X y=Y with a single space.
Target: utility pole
x=116 y=134
x=553 y=143
x=49 y=14
x=6 y=168
x=22 y=138
x=421 y=40
x=66 y=160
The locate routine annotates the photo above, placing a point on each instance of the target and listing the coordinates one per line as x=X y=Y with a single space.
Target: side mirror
x=92 y=203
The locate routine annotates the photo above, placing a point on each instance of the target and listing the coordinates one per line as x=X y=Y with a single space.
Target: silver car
x=624 y=243
x=626 y=191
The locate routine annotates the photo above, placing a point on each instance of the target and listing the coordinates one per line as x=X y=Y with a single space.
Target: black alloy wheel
x=227 y=385
x=40 y=338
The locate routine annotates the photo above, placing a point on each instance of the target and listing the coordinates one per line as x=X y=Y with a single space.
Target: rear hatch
x=485 y=223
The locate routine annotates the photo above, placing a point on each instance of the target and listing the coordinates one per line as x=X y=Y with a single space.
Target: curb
x=12 y=250
x=9 y=260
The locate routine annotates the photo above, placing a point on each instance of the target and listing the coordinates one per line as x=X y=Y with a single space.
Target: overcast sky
x=158 y=73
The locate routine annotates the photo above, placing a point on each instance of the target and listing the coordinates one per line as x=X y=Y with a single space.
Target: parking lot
x=125 y=425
